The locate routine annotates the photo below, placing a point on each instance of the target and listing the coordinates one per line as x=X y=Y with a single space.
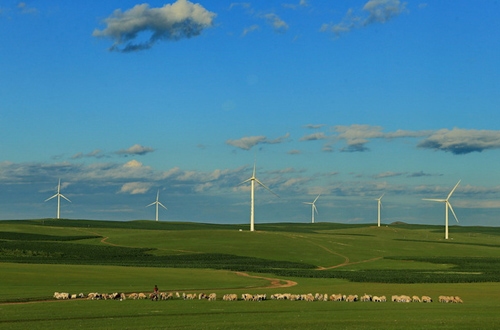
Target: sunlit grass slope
x=393 y=254
x=38 y=257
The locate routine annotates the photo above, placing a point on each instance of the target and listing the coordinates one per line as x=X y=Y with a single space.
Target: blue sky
x=350 y=100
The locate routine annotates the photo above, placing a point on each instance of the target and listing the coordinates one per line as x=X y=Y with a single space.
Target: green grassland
x=39 y=257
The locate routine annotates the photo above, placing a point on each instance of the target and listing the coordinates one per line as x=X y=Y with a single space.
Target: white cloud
x=182 y=19
x=276 y=22
x=357 y=136
x=248 y=142
x=457 y=141
x=302 y=3
x=314 y=136
x=240 y=4
x=380 y=11
x=477 y=204
x=374 y=11
x=25 y=9
x=252 y=28
x=294 y=181
x=97 y=153
x=135 y=188
x=388 y=174
x=136 y=149
x=311 y=126
x=462 y=141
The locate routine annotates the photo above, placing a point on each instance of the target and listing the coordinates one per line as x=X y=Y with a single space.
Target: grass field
x=39 y=257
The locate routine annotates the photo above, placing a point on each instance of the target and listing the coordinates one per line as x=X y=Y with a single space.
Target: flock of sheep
x=255 y=297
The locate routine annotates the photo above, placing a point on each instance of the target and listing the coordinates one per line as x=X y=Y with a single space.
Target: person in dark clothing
x=156 y=293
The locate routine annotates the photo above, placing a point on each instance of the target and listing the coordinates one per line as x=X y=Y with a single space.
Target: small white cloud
x=25 y=9
x=133 y=164
x=380 y=11
x=276 y=22
x=314 y=136
x=388 y=174
x=136 y=149
x=135 y=188
x=96 y=154
x=250 y=29
x=313 y=126
x=247 y=143
x=374 y=11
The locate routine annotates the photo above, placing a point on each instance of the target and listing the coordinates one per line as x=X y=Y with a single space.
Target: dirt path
x=104 y=240
x=349 y=263
x=275 y=282
x=346 y=258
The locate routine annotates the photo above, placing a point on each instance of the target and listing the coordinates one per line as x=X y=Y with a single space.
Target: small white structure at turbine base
x=157 y=203
x=58 y=195
x=447 y=206
x=313 y=208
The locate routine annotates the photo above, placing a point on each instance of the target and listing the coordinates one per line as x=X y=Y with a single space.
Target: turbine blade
x=451 y=208
x=162 y=205
x=307 y=203
x=381 y=205
x=315 y=209
x=434 y=200
x=453 y=190
x=272 y=192
x=316 y=199
x=64 y=197
x=151 y=204
x=51 y=197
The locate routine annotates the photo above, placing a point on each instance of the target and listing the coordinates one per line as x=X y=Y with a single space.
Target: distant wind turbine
x=313 y=207
x=157 y=203
x=379 y=206
x=448 y=206
x=252 y=180
x=58 y=195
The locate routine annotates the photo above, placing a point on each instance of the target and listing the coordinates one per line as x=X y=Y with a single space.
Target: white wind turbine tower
x=448 y=205
x=58 y=195
x=157 y=203
x=252 y=180
x=313 y=207
x=379 y=206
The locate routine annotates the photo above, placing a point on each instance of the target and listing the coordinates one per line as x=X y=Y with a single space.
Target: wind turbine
x=252 y=180
x=313 y=207
x=58 y=195
x=157 y=203
x=379 y=206
x=448 y=205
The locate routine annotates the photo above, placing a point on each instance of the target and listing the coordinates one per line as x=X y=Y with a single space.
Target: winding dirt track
x=274 y=282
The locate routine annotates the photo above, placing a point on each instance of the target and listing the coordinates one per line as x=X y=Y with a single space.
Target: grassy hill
x=43 y=256
x=392 y=254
